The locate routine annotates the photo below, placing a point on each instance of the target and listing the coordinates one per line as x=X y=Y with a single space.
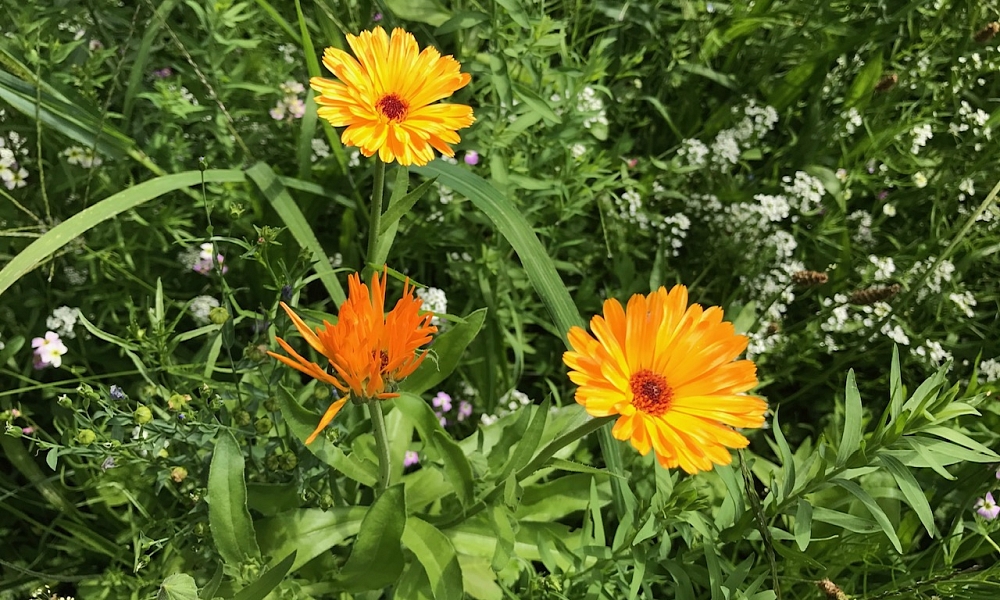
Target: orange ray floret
x=368 y=351
x=669 y=371
x=384 y=97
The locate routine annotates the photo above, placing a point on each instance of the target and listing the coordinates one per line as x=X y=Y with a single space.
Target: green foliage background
x=194 y=480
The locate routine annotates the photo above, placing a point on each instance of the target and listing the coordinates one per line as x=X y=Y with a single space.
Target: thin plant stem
x=375 y=222
x=381 y=445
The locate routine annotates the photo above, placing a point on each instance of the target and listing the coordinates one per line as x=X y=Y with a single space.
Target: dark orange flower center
x=392 y=107
x=650 y=392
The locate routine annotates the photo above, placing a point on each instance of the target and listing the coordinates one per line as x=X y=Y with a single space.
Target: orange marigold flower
x=668 y=369
x=384 y=97
x=369 y=351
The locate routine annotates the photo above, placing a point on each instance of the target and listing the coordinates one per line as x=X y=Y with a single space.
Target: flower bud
x=242 y=418
x=271 y=404
x=64 y=401
x=271 y=462
x=262 y=425
x=178 y=474
x=289 y=461
x=143 y=415
x=218 y=315
x=14 y=431
x=86 y=437
x=178 y=401
x=256 y=353
x=321 y=392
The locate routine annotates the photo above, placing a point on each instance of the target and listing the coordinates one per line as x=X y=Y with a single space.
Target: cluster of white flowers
x=288 y=52
x=290 y=105
x=63 y=320
x=964 y=301
x=852 y=120
x=932 y=352
x=772 y=208
x=588 y=102
x=725 y=148
x=77 y=30
x=434 y=300
x=320 y=149
x=83 y=157
x=919 y=179
x=884 y=267
x=463 y=257
x=966 y=188
x=846 y=318
x=695 y=152
x=975 y=120
x=863 y=232
x=354 y=158
x=508 y=403
x=76 y=276
x=577 y=150
x=12 y=173
x=805 y=191
x=630 y=209
x=200 y=307
x=445 y=194
x=678 y=225
x=843 y=71
x=989 y=370
x=336 y=260
x=921 y=134
x=182 y=92
x=935 y=282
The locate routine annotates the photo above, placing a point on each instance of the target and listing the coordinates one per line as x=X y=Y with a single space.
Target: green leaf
x=376 y=559
x=279 y=21
x=208 y=592
x=850 y=441
x=528 y=443
x=259 y=589
x=228 y=516
x=398 y=208
x=911 y=491
x=864 y=84
x=309 y=532
x=85 y=220
x=282 y=202
x=873 y=507
x=462 y=20
x=895 y=386
x=803 y=524
x=421 y=11
x=515 y=11
x=138 y=66
x=844 y=520
x=787 y=460
x=456 y=467
x=503 y=526
x=537 y=104
x=179 y=586
x=446 y=353
x=302 y=423
x=510 y=222
x=437 y=555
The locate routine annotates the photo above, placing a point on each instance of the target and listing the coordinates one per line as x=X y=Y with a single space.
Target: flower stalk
x=375 y=219
x=381 y=445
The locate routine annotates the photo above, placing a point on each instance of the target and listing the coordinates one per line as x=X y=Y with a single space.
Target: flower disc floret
x=668 y=370
x=385 y=97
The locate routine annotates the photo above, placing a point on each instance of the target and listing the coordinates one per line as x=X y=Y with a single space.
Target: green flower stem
x=381 y=445
x=611 y=451
x=375 y=222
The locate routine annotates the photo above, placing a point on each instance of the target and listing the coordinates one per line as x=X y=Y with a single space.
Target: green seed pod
x=86 y=437
x=271 y=404
x=272 y=463
x=218 y=315
x=143 y=415
x=242 y=418
x=289 y=461
x=262 y=425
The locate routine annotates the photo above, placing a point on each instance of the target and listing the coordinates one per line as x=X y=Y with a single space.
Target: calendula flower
x=385 y=96
x=368 y=351
x=668 y=370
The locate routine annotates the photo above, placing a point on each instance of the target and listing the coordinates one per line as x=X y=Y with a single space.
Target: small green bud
x=321 y=392
x=64 y=401
x=14 y=431
x=242 y=418
x=200 y=530
x=88 y=392
x=218 y=315
x=271 y=404
x=256 y=353
x=263 y=425
x=86 y=437
x=143 y=415
x=271 y=462
x=326 y=501
x=178 y=474
x=289 y=461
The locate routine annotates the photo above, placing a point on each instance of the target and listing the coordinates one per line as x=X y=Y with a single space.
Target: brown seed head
x=874 y=294
x=988 y=32
x=832 y=591
x=887 y=83
x=809 y=278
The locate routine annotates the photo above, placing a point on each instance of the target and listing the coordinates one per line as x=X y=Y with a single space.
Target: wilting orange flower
x=369 y=351
x=385 y=99
x=668 y=369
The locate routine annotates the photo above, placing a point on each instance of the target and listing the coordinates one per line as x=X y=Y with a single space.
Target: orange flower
x=668 y=369
x=385 y=99
x=369 y=351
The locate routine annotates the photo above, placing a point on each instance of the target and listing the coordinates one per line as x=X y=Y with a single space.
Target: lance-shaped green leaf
x=228 y=516
x=436 y=554
x=445 y=354
x=376 y=559
x=850 y=441
x=911 y=491
x=876 y=511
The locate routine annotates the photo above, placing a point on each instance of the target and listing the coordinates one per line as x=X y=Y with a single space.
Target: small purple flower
x=998 y=473
x=117 y=393
x=163 y=73
x=109 y=463
x=464 y=410
x=472 y=158
x=883 y=194
x=27 y=430
x=410 y=458
x=442 y=401
x=442 y=419
x=987 y=507
x=377 y=17
x=632 y=162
